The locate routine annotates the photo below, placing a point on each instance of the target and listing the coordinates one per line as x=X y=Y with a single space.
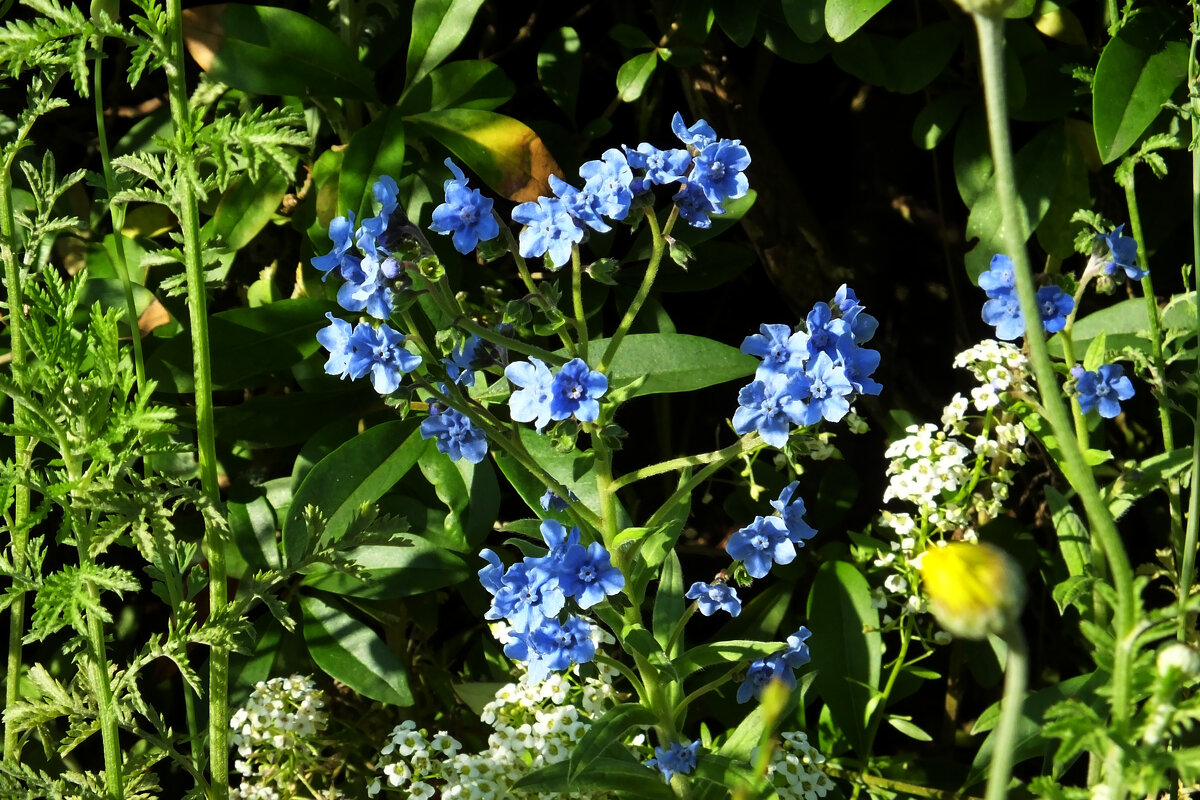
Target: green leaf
x=559 y=66
x=1073 y=591
x=634 y=74
x=719 y=774
x=1138 y=71
x=847 y=658
x=573 y=469
x=606 y=733
x=247 y=206
x=909 y=729
x=936 y=119
x=438 y=27
x=505 y=153
x=728 y=653
x=470 y=492
x=1097 y=352
x=738 y=18
x=394 y=571
x=349 y=651
x=1124 y=324
x=921 y=56
x=622 y=776
x=1056 y=232
x=265 y=50
x=1073 y=537
x=668 y=599
x=357 y=473
x=806 y=18
x=844 y=17
x=374 y=151
x=459 y=84
x=673 y=362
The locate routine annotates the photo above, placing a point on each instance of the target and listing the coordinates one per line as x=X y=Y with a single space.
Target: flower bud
x=1180 y=657
x=973 y=589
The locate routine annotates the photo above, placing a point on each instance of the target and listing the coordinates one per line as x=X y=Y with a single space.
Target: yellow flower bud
x=973 y=589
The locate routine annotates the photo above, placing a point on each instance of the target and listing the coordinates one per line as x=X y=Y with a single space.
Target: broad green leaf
x=374 y=151
x=438 y=27
x=1124 y=324
x=806 y=18
x=935 y=120
x=729 y=653
x=459 y=84
x=358 y=472
x=673 y=362
x=1138 y=71
x=395 y=571
x=505 y=153
x=1056 y=232
x=326 y=173
x=622 y=776
x=844 y=17
x=669 y=602
x=280 y=420
x=252 y=527
x=921 y=56
x=738 y=18
x=471 y=494
x=267 y=50
x=247 y=206
x=477 y=695
x=1073 y=537
x=349 y=651
x=246 y=344
x=607 y=732
x=573 y=470
x=634 y=74
x=847 y=656
x=559 y=66
x=110 y=293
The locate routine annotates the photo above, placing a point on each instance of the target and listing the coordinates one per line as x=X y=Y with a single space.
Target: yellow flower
x=973 y=589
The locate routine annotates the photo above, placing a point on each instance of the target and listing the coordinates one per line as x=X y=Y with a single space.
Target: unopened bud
x=973 y=589
x=1180 y=657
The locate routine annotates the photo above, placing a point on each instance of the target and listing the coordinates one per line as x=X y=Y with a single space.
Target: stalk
x=991 y=47
x=1015 y=678
x=659 y=246
x=218 y=670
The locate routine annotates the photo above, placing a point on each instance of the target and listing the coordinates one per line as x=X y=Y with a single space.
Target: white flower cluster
x=273 y=735
x=534 y=724
x=795 y=769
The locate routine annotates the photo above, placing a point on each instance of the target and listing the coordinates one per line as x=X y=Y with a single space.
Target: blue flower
x=380 y=351
x=999 y=279
x=1104 y=389
x=460 y=367
x=714 y=597
x=662 y=166
x=1123 y=253
x=586 y=574
x=466 y=214
x=862 y=325
x=336 y=339
x=532 y=402
x=608 y=180
x=491 y=576
x=823 y=330
x=550 y=230
x=694 y=206
x=796 y=655
x=771 y=406
x=583 y=206
x=791 y=510
x=781 y=350
x=760 y=675
x=676 y=759
x=718 y=169
x=558 y=541
x=760 y=544
x=827 y=391
x=554 y=645
x=575 y=390
x=552 y=502
x=858 y=363
x=699 y=135
x=371 y=293
x=341 y=232
x=528 y=594
x=1054 y=305
x=455 y=435
x=1004 y=313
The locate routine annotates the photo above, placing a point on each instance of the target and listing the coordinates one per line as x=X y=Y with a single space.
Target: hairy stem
x=1016 y=673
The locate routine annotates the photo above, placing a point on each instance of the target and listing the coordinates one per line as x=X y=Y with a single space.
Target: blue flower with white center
x=575 y=390
x=555 y=645
x=380 y=351
x=528 y=594
x=550 y=230
x=341 y=232
x=823 y=330
x=760 y=675
x=608 y=180
x=796 y=655
x=677 y=759
x=454 y=434
x=695 y=207
x=586 y=574
x=583 y=206
x=1004 y=313
x=828 y=390
x=698 y=135
x=532 y=402
x=760 y=544
x=781 y=350
x=858 y=363
x=771 y=406
x=718 y=168
x=713 y=597
x=791 y=510
x=1122 y=254
x=372 y=294
x=999 y=279
x=466 y=214
x=336 y=339
x=1054 y=305
x=661 y=166
x=1104 y=389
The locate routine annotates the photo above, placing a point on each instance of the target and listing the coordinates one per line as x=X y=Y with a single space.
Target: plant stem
x=526 y=277
x=722 y=456
x=577 y=301
x=747 y=443
x=1015 y=678
x=189 y=221
x=897 y=666
x=991 y=47
x=658 y=247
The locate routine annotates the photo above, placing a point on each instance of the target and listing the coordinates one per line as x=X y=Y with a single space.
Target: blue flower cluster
x=532 y=595
x=544 y=396
x=1102 y=389
x=1122 y=254
x=466 y=214
x=677 y=759
x=780 y=666
x=363 y=258
x=454 y=433
x=1003 y=311
x=355 y=352
x=809 y=374
x=708 y=169
x=772 y=540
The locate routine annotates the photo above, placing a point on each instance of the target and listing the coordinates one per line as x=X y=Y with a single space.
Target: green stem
x=527 y=277
x=658 y=247
x=1076 y=470
x=514 y=345
x=189 y=221
x=722 y=456
x=1015 y=677
x=747 y=443
x=897 y=667
x=577 y=301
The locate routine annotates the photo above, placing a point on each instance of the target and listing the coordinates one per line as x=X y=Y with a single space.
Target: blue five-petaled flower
x=466 y=214
x=713 y=597
x=677 y=759
x=1103 y=389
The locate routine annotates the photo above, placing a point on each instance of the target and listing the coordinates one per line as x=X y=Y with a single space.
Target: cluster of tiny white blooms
x=795 y=769
x=534 y=724
x=273 y=733
x=999 y=367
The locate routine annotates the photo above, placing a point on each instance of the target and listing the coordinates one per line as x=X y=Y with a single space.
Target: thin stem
x=722 y=456
x=991 y=47
x=527 y=277
x=897 y=667
x=1015 y=677
x=577 y=301
x=189 y=221
x=658 y=247
x=746 y=444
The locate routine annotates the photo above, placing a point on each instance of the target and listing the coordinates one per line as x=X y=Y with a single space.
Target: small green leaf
x=606 y=733
x=634 y=74
x=936 y=119
x=729 y=653
x=806 y=18
x=669 y=602
x=909 y=729
x=1073 y=537
x=559 y=66
x=1072 y=591
x=1096 y=353
x=438 y=28
x=351 y=652
x=374 y=151
x=844 y=17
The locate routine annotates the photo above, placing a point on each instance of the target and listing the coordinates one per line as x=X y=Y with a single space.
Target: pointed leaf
x=844 y=17
x=374 y=151
x=669 y=602
x=438 y=28
x=351 y=652
x=606 y=732
x=559 y=66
